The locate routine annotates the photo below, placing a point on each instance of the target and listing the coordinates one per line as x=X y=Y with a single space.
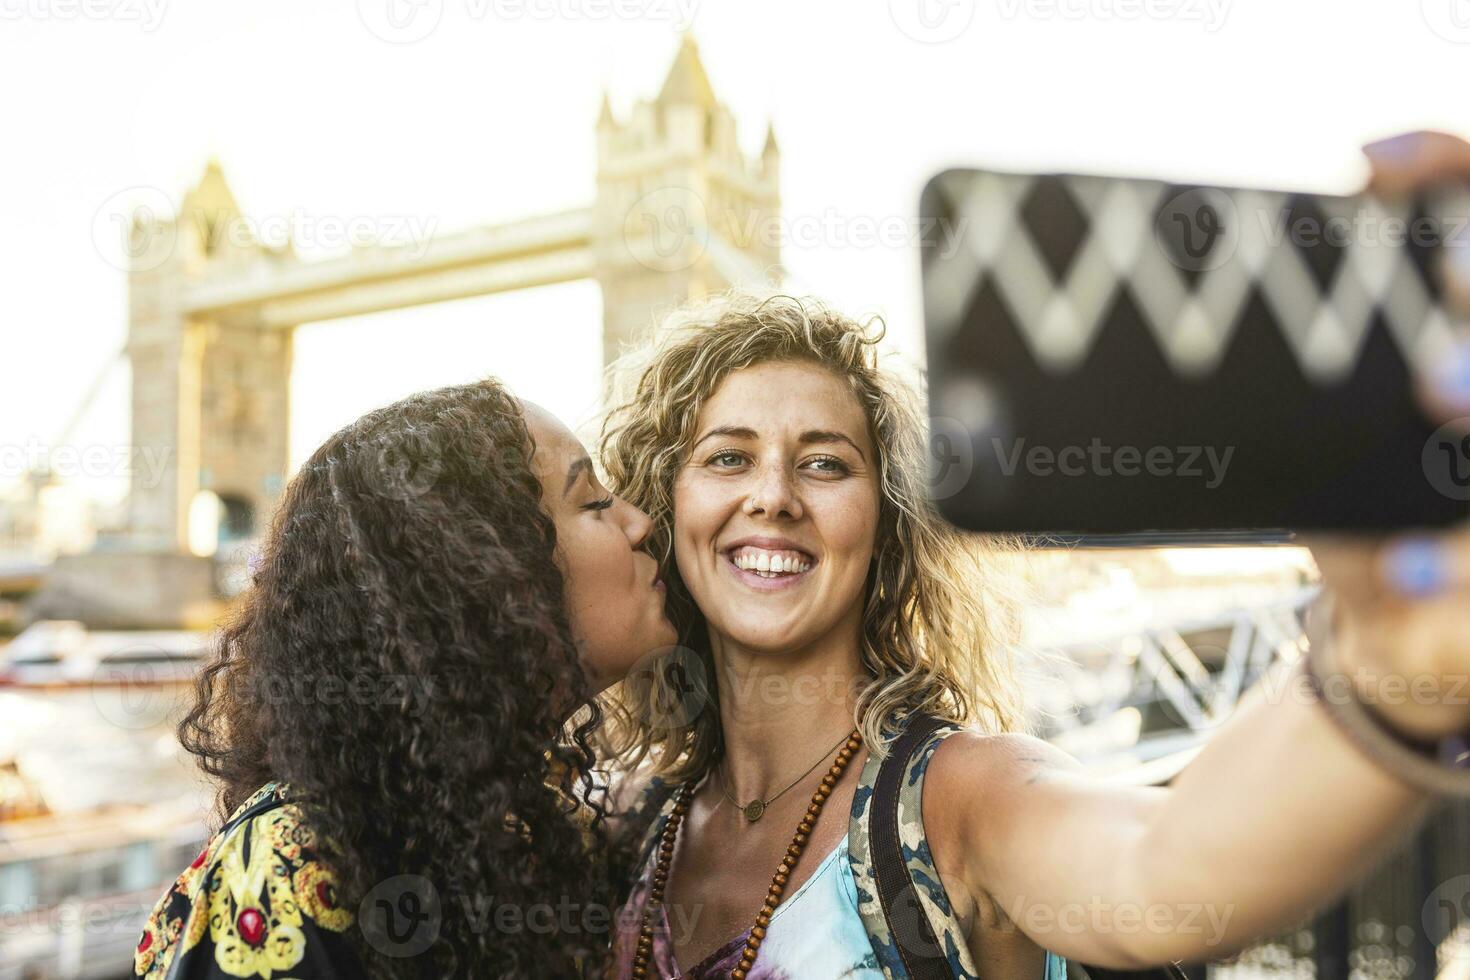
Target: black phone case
x=1125 y=361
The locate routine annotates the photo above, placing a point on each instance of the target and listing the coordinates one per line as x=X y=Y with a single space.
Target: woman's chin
x=773 y=641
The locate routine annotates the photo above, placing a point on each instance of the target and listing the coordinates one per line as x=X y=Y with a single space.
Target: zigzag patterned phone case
x=1116 y=360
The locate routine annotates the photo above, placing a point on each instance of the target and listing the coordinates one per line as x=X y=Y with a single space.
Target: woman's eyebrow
x=733 y=431
x=827 y=435
x=582 y=465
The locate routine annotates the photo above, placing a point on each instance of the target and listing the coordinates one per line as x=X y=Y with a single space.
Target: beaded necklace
x=682 y=798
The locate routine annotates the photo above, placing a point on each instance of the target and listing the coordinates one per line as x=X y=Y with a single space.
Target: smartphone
x=1122 y=361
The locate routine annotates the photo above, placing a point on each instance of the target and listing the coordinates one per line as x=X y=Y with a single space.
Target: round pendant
x=754 y=809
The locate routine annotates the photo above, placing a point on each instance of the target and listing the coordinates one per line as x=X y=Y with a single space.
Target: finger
x=1411 y=161
x=1444 y=392
x=1346 y=562
x=1371 y=570
x=1425 y=565
x=1455 y=270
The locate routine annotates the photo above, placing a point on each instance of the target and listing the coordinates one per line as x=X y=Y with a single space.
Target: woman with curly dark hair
x=445 y=585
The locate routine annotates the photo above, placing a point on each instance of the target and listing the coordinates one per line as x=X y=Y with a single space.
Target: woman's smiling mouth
x=768 y=564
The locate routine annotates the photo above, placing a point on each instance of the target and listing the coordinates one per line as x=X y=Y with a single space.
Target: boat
x=100 y=808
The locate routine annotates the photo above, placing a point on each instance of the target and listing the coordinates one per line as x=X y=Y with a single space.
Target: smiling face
x=776 y=507
x=615 y=599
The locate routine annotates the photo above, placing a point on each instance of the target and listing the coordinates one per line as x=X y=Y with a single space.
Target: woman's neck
x=779 y=709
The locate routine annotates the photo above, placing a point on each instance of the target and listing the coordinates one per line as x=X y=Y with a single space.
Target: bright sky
x=490 y=115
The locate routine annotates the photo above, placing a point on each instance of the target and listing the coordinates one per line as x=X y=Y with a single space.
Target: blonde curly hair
x=941 y=607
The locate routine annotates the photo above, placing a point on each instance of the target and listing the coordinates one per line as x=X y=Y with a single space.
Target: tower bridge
x=212 y=309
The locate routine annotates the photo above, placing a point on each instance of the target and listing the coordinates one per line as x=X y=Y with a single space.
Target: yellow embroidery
x=316 y=893
x=252 y=890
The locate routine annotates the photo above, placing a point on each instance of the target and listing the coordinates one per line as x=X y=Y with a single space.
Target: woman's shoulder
x=966 y=749
x=257 y=901
x=979 y=784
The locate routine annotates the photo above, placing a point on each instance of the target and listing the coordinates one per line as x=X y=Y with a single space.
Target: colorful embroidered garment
x=255 y=903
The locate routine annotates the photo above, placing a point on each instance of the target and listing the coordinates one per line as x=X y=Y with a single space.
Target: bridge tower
x=211 y=393
x=681 y=212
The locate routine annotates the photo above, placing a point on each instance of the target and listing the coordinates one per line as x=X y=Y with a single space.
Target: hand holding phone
x=1406 y=599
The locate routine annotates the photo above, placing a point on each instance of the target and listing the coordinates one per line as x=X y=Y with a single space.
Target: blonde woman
x=824 y=605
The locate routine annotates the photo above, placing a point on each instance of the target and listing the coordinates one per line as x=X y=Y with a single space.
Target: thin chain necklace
x=682 y=798
x=756 y=808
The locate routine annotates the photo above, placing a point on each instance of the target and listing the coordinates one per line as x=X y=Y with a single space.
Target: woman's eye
x=726 y=459
x=599 y=504
x=827 y=464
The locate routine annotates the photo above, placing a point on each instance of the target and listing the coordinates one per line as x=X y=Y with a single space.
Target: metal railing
x=1408 y=920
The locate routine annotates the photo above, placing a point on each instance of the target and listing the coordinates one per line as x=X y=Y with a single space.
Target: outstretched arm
x=1280 y=812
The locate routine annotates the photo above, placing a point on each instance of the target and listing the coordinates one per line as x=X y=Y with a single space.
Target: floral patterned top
x=256 y=902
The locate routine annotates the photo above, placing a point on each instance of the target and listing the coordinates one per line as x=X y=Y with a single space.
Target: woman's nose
x=774 y=494
x=638 y=525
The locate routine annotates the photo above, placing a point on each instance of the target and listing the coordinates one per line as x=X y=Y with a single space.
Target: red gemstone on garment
x=145 y=942
x=200 y=859
x=326 y=895
x=252 y=926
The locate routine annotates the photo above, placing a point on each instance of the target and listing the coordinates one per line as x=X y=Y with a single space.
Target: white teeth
x=769 y=564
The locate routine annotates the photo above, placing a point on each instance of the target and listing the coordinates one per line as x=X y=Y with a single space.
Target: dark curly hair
x=411 y=554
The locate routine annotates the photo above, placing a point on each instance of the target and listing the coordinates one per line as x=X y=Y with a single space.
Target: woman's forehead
x=556 y=448
x=791 y=394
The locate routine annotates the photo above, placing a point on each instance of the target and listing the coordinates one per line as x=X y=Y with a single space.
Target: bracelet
x=1441 y=767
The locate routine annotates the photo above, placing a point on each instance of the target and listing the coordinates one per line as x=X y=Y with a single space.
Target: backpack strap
x=901 y=900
